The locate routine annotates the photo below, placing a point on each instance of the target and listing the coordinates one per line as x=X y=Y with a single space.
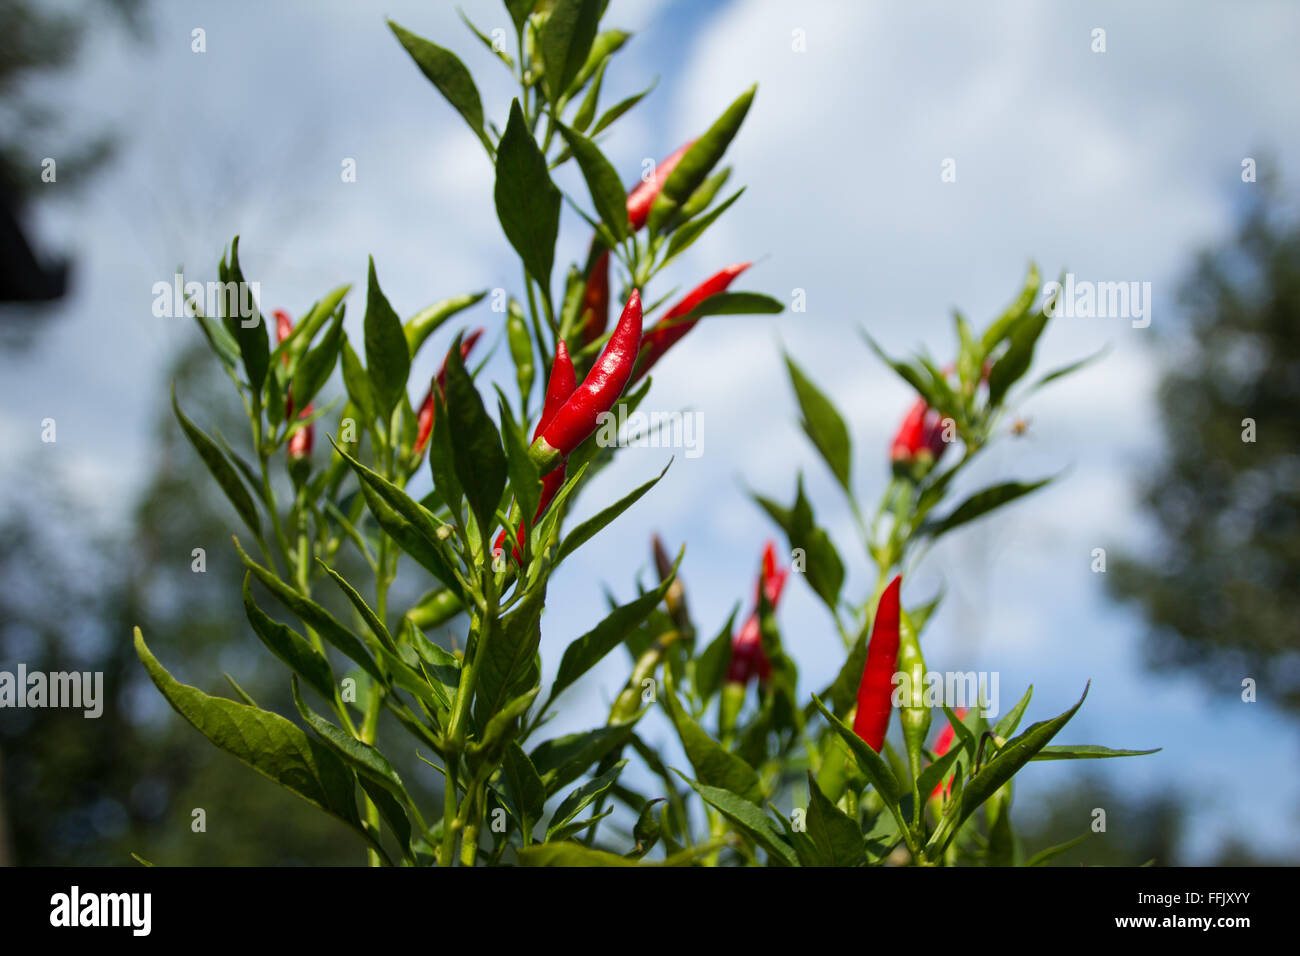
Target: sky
x=1115 y=165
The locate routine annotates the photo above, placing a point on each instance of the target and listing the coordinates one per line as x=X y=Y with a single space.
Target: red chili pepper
x=283 y=326
x=559 y=387
x=602 y=387
x=747 y=655
x=595 y=301
x=941 y=746
x=921 y=431
x=668 y=330
x=424 y=427
x=300 y=444
x=643 y=195
x=877 y=687
x=910 y=437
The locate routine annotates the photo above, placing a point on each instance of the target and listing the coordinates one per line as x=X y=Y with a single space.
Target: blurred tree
x=1220 y=587
x=35 y=40
x=91 y=791
x=1138 y=829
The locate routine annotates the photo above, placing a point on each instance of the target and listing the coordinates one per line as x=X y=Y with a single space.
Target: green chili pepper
x=424 y=323
x=695 y=166
x=913 y=714
x=435 y=609
x=521 y=350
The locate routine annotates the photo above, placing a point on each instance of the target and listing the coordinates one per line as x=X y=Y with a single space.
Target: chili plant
x=492 y=530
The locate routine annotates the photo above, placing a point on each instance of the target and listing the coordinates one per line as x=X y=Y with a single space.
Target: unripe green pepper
x=435 y=609
x=729 y=707
x=913 y=714
x=521 y=350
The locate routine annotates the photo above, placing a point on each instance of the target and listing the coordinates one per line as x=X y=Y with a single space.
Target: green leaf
x=527 y=202
x=562 y=760
x=317 y=365
x=714 y=765
x=290 y=646
x=412 y=542
x=684 y=237
x=392 y=811
x=823 y=425
x=585 y=652
x=646 y=830
x=566 y=38
x=1014 y=313
x=712 y=663
x=524 y=784
x=220 y=340
x=1068 y=369
x=568 y=854
x=581 y=797
x=249 y=332
x=357 y=384
x=243 y=694
x=507 y=656
x=835 y=835
x=872 y=765
x=502 y=725
x=445 y=71
x=602 y=182
x=220 y=468
x=823 y=568
x=606 y=44
x=999 y=770
x=524 y=480
x=519 y=11
x=267 y=742
x=735 y=303
x=363 y=758
x=478 y=459
x=843 y=691
x=404 y=519
x=388 y=361
x=376 y=626
x=1007 y=725
x=935 y=772
x=921 y=383
x=1087 y=752
x=570 y=830
x=703 y=195
x=587 y=110
x=442 y=459
x=981 y=503
x=750 y=820
x=313 y=615
x=610 y=115
x=1042 y=856
x=593 y=525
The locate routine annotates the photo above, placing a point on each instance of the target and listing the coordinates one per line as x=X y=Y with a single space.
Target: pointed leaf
x=444 y=70
x=220 y=468
x=267 y=742
x=527 y=202
x=388 y=362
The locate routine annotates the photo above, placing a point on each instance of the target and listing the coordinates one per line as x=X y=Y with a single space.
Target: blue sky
x=1116 y=165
